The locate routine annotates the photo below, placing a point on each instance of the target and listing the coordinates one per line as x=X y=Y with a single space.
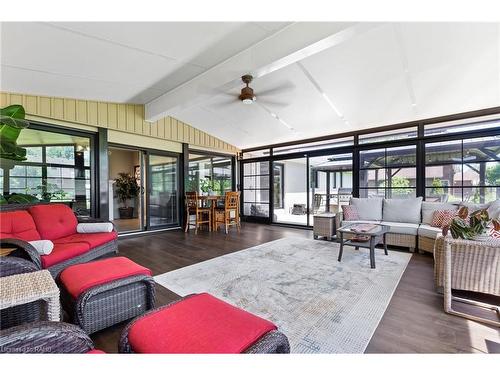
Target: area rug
x=322 y=305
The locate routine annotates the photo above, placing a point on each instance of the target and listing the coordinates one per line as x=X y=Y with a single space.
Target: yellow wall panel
x=102 y=115
x=70 y=109
x=92 y=113
x=128 y=118
x=112 y=116
x=30 y=104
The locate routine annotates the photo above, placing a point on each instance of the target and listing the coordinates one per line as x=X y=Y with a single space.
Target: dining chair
x=203 y=215
x=230 y=213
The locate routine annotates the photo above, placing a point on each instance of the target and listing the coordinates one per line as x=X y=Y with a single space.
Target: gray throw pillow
x=402 y=210
x=368 y=208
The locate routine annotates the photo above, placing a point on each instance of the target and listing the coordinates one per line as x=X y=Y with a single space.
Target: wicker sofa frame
x=105 y=305
x=273 y=342
x=44 y=338
x=25 y=313
x=26 y=251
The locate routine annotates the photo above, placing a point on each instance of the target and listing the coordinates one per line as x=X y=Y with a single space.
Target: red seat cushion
x=54 y=221
x=197 y=324
x=92 y=239
x=81 y=277
x=64 y=251
x=18 y=224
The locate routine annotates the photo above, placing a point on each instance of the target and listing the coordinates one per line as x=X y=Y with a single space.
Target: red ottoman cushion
x=92 y=239
x=64 y=251
x=197 y=324
x=81 y=277
x=18 y=224
x=54 y=221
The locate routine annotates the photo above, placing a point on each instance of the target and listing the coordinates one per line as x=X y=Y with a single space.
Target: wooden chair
x=203 y=215
x=230 y=214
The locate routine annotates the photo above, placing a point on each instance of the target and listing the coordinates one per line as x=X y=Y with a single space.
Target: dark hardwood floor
x=414 y=321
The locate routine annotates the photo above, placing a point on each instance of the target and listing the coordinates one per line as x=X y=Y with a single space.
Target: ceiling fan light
x=247 y=101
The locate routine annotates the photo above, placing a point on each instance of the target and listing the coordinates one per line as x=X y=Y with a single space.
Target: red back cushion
x=198 y=324
x=54 y=221
x=18 y=224
x=443 y=218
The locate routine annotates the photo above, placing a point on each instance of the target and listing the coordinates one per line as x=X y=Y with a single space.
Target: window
x=459 y=126
x=390 y=135
x=463 y=170
x=256 y=189
x=57 y=169
x=388 y=172
x=256 y=154
x=278 y=170
x=312 y=146
x=209 y=174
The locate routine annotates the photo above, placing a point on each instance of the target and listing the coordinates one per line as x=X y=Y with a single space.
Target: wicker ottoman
x=105 y=292
x=201 y=324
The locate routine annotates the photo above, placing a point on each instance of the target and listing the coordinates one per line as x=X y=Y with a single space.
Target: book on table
x=362 y=228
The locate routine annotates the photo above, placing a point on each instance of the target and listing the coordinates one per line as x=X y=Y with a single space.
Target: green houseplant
x=11 y=123
x=126 y=189
x=473 y=227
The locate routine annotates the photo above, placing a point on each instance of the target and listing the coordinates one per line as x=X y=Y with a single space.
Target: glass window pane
x=18 y=170
x=481 y=174
x=493 y=174
x=53 y=172
x=254 y=209
x=482 y=149
x=458 y=126
x=372 y=178
x=481 y=194
x=17 y=183
x=371 y=193
x=61 y=154
x=256 y=154
x=312 y=146
x=400 y=193
x=401 y=156
x=403 y=177
x=34 y=171
x=390 y=135
x=443 y=152
x=372 y=158
x=34 y=154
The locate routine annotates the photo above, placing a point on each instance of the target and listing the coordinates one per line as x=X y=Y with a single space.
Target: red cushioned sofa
x=55 y=222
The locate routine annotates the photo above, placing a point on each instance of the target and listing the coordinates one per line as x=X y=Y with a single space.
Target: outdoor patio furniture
x=467 y=265
x=28 y=296
x=201 y=323
x=58 y=223
x=230 y=214
x=324 y=225
x=202 y=214
x=45 y=338
x=102 y=293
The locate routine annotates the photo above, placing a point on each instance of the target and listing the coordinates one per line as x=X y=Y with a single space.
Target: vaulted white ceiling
x=340 y=77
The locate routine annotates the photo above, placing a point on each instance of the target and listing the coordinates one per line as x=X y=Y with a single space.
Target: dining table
x=210 y=201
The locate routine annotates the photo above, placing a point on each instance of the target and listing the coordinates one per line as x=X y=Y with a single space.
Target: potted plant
x=11 y=123
x=126 y=189
x=473 y=227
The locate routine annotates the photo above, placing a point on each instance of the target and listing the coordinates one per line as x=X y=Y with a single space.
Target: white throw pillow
x=44 y=247
x=94 y=227
x=494 y=209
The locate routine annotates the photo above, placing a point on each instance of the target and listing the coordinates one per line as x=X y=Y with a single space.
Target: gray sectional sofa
x=410 y=219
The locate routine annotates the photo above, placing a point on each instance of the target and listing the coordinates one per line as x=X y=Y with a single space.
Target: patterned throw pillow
x=495 y=233
x=350 y=213
x=442 y=218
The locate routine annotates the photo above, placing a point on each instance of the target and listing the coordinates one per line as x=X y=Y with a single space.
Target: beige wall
x=121 y=119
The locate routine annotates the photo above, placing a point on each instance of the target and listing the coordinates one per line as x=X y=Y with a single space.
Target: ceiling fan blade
x=284 y=87
x=273 y=103
x=226 y=101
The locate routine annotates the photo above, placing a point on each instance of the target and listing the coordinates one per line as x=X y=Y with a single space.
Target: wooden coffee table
x=373 y=237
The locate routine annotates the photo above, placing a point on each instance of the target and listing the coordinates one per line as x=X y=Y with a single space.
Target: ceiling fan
x=248 y=96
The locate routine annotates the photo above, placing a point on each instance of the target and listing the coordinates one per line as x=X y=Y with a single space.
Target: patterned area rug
x=323 y=306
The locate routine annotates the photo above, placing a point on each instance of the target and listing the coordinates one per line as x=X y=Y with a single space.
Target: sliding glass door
x=162 y=194
x=290 y=191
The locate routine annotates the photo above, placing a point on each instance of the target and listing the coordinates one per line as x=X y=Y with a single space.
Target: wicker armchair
x=467 y=265
x=45 y=337
x=26 y=313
